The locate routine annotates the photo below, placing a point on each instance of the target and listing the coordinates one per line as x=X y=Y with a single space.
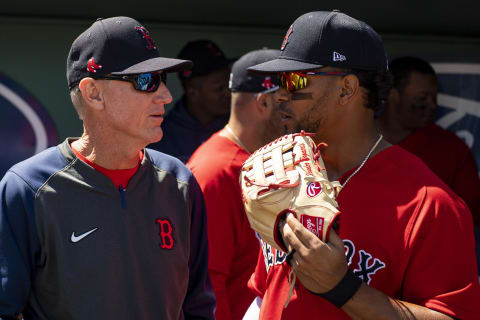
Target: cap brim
x=283 y=65
x=158 y=64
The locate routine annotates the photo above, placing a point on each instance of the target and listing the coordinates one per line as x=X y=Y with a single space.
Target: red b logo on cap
x=285 y=40
x=267 y=83
x=92 y=66
x=146 y=35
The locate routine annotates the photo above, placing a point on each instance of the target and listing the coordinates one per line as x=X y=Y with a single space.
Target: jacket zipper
x=122 y=196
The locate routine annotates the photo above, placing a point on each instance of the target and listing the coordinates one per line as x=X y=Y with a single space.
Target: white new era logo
x=338 y=57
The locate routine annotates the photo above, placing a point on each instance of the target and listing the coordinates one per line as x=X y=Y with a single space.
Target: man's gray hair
x=77 y=101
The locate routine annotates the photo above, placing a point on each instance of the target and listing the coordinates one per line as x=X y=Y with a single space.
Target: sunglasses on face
x=293 y=81
x=146 y=82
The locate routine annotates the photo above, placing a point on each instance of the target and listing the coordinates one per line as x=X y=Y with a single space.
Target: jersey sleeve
x=200 y=300
x=19 y=245
x=442 y=273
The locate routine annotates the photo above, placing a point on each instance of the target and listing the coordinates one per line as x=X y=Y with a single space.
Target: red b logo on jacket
x=166 y=239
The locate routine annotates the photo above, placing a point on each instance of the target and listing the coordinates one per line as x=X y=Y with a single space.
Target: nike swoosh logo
x=74 y=238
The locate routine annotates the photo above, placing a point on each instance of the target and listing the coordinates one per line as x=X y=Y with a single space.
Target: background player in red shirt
x=403 y=232
x=254 y=121
x=408 y=120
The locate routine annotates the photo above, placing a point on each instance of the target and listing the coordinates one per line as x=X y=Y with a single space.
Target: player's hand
x=319 y=266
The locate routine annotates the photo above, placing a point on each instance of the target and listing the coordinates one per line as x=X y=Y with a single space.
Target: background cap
x=325 y=38
x=118 y=45
x=243 y=81
x=207 y=57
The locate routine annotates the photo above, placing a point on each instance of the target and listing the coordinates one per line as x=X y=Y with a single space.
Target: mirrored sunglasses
x=145 y=82
x=293 y=81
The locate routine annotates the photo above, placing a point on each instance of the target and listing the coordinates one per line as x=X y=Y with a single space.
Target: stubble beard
x=314 y=119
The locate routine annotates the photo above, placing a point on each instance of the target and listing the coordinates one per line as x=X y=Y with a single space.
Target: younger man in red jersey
x=406 y=235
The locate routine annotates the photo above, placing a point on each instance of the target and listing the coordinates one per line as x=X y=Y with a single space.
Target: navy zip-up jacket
x=72 y=246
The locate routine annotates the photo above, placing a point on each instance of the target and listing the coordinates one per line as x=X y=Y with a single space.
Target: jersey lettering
x=366 y=270
x=272 y=256
x=349 y=250
x=267 y=255
x=166 y=239
x=280 y=256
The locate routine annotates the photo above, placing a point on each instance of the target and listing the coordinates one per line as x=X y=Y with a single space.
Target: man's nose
x=163 y=95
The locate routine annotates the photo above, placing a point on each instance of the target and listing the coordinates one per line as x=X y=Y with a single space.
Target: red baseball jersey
x=405 y=233
x=232 y=244
x=451 y=160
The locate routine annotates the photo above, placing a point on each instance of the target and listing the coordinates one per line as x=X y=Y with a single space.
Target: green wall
x=33 y=53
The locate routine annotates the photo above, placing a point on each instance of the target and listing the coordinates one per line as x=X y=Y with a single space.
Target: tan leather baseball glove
x=288 y=175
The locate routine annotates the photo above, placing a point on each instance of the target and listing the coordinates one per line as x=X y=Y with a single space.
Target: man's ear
x=350 y=88
x=92 y=93
x=262 y=103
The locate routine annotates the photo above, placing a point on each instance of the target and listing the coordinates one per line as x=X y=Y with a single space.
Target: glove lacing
x=291 y=275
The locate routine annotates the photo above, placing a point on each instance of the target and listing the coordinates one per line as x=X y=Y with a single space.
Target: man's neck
x=108 y=154
x=240 y=135
x=349 y=151
x=245 y=128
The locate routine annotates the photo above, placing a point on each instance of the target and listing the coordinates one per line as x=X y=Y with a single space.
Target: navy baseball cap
x=119 y=46
x=328 y=38
x=206 y=56
x=243 y=81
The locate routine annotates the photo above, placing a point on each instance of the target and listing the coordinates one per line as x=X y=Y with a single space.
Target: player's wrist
x=343 y=291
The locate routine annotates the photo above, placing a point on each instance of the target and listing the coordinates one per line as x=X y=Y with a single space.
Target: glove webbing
x=284 y=184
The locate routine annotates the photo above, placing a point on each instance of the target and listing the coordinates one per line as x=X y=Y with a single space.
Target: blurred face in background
x=210 y=93
x=415 y=104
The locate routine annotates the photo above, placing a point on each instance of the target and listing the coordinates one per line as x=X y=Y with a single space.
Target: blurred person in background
x=204 y=107
x=408 y=120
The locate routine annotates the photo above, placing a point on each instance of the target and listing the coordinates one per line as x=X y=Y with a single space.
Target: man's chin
x=157 y=137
